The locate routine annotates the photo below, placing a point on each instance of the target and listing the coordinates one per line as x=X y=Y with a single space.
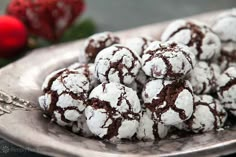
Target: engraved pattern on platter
x=9 y=103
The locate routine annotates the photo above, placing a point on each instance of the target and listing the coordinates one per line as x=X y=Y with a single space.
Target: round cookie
x=138 y=44
x=118 y=64
x=203 y=42
x=97 y=42
x=87 y=70
x=151 y=130
x=65 y=96
x=113 y=112
x=203 y=77
x=208 y=115
x=227 y=89
x=224 y=26
x=167 y=60
x=168 y=102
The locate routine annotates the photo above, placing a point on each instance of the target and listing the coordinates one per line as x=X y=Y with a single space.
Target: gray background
x=112 y=15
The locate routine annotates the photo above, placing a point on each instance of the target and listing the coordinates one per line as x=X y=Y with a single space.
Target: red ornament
x=46 y=18
x=13 y=36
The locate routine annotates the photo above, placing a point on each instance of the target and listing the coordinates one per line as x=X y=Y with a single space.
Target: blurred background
x=113 y=15
x=122 y=14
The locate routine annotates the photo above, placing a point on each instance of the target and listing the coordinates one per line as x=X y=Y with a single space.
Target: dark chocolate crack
x=55 y=96
x=168 y=94
x=212 y=81
x=229 y=56
x=202 y=86
x=144 y=46
x=119 y=65
x=228 y=85
x=228 y=41
x=92 y=51
x=53 y=106
x=197 y=36
x=218 y=115
x=155 y=130
x=112 y=129
x=140 y=86
x=86 y=71
x=113 y=114
x=64 y=74
x=59 y=76
x=158 y=53
x=50 y=82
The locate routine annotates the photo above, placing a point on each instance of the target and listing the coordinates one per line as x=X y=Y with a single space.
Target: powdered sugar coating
x=65 y=94
x=203 y=42
x=88 y=71
x=167 y=60
x=168 y=102
x=80 y=127
x=117 y=63
x=97 y=42
x=224 y=27
x=151 y=130
x=227 y=89
x=203 y=77
x=66 y=80
x=138 y=44
x=208 y=115
x=113 y=111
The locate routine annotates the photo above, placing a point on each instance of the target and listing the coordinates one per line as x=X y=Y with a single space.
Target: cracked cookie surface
x=97 y=42
x=167 y=60
x=65 y=94
x=168 y=102
x=88 y=71
x=224 y=26
x=117 y=63
x=227 y=88
x=203 y=42
x=113 y=111
x=208 y=115
x=203 y=77
x=151 y=130
x=138 y=44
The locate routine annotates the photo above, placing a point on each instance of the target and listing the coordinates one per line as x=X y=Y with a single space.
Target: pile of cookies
x=142 y=88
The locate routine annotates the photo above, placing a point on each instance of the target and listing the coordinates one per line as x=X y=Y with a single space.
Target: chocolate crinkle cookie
x=227 y=89
x=138 y=44
x=168 y=102
x=203 y=77
x=203 y=42
x=224 y=26
x=208 y=115
x=65 y=95
x=117 y=63
x=150 y=129
x=167 y=60
x=97 y=42
x=113 y=111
